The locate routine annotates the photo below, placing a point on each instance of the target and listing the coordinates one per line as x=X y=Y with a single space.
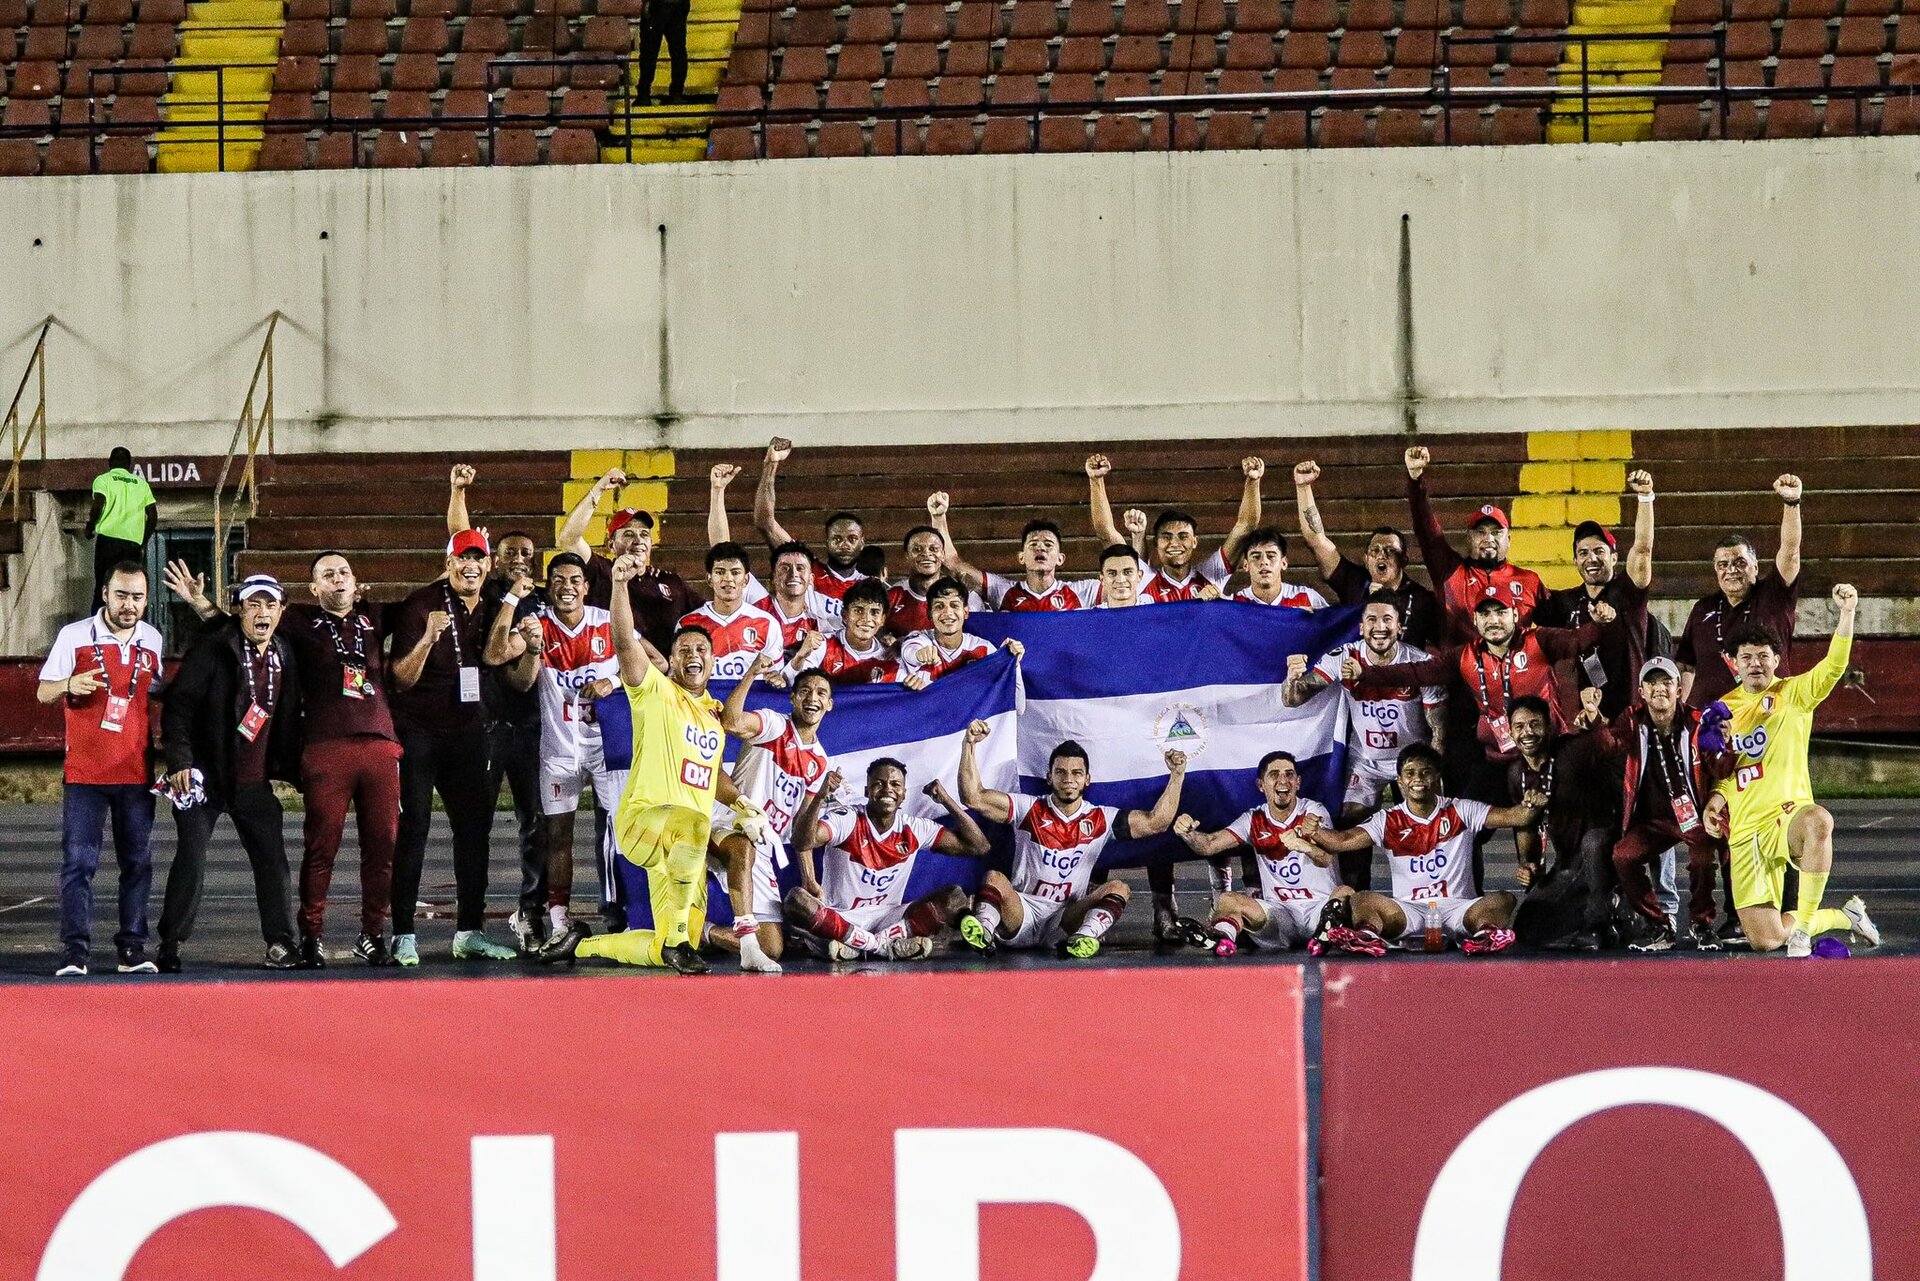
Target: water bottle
x=1436 y=939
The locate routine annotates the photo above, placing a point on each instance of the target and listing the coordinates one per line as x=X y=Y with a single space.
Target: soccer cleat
x=525 y=934
x=1732 y=933
x=1660 y=938
x=1799 y=943
x=75 y=966
x=474 y=945
x=1354 y=942
x=1225 y=946
x=682 y=959
x=372 y=949
x=311 y=957
x=406 y=951
x=1494 y=939
x=1864 y=930
x=563 y=945
x=1081 y=947
x=1165 y=931
x=838 y=951
x=1704 y=939
x=1192 y=933
x=133 y=960
x=977 y=936
x=281 y=957
x=168 y=958
x=754 y=958
x=910 y=947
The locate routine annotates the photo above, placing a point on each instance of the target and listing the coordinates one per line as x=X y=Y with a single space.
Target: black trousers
x=1575 y=894
x=455 y=766
x=108 y=552
x=513 y=758
x=666 y=18
x=256 y=815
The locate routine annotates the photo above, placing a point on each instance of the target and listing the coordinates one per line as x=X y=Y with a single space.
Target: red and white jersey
x=108 y=731
x=1291 y=595
x=915 y=656
x=1158 y=589
x=846 y=665
x=1054 y=853
x=818 y=612
x=1013 y=596
x=863 y=868
x=776 y=771
x=737 y=637
x=1285 y=877
x=571 y=660
x=1431 y=858
x=906 y=609
x=1383 y=718
x=829 y=582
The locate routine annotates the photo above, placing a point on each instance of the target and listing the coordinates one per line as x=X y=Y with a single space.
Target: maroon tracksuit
x=1665 y=781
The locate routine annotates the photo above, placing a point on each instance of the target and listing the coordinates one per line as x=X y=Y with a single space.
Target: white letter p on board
x=943 y=1177
x=1823 y=1225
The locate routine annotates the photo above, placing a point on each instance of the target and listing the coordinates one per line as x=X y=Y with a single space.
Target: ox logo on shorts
x=694 y=774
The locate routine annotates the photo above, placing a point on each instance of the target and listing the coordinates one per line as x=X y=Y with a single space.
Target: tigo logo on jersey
x=694 y=774
x=1754 y=744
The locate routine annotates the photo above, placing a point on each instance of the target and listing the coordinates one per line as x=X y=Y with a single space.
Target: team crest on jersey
x=1520 y=661
x=751 y=635
x=599 y=646
x=1446 y=826
x=1766 y=704
x=1180 y=727
x=1086 y=829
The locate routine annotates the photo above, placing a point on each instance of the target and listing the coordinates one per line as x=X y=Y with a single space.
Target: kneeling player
x=1057 y=839
x=859 y=905
x=1295 y=888
x=1428 y=838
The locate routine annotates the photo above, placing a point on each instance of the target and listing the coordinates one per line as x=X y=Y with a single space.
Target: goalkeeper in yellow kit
x=1765 y=806
x=666 y=810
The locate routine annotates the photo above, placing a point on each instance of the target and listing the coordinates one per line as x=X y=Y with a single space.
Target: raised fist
x=1176 y=761
x=1185 y=825
x=810 y=640
x=1296 y=666
x=438 y=621
x=532 y=633
x=778 y=448
x=626 y=569
x=1305 y=473
x=1349 y=668
x=1603 y=613
x=761 y=662
x=614 y=479
x=1845 y=595
x=935 y=792
x=1788 y=487
x=1417 y=459
x=1253 y=468
x=1134 y=521
x=462 y=476
x=722 y=475
x=938 y=504
x=831 y=784
x=977 y=731
x=1640 y=482
x=1098 y=466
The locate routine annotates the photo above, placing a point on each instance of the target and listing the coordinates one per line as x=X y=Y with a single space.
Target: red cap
x=469 y=540
x=626 y=516
x=1489 y=512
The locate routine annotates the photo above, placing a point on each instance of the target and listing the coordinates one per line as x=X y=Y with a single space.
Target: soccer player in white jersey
x=1381 y=721
x=1294 y=887
x=948 y=646
x=739 y=630
x=1041 y=590
x=794 y=600
x=1429 y=842
x=1050 y=900
x=858 y=905
x=1265 y=560
x=860 y=653
x=578 y=665
x=1175 y=538
x=781 y=763
x=1119 y=578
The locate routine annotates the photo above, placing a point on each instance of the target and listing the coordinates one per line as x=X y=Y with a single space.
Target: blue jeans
x=85 y=808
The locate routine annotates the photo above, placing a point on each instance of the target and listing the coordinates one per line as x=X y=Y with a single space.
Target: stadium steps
x=242 y=36
x=1569 y=477
x=656 y=134
x=1610 y=63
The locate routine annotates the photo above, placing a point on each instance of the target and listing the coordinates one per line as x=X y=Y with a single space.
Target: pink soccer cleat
x=1225 y=946
x=1487 y=941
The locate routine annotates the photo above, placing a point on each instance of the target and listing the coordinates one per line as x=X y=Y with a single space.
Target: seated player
x=1294 y=888
x=739 y=630
x=1057 y=840
x=858 y=654
x=1119 y=578
x=1382 y=719
x=1428 y=838
x=1042 y=590
x=1264 y=558
x=781 y=762
x=948 y=645
x=858 y=905
x=1764 y=806
x=1176 y=542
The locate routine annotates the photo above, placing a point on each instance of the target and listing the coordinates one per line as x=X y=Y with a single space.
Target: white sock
x=861 y=940
x=898 y=930
x=557 y=916
x=1220 y=877
x=1228 y=927
x=989 y=916
x=1098 y=922
x=754 y=958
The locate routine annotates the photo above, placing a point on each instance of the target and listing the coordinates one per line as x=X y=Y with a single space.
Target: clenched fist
x=1417 y=458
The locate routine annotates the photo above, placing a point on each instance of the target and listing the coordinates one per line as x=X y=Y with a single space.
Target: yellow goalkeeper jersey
x=677 y=743
x=1768 y=735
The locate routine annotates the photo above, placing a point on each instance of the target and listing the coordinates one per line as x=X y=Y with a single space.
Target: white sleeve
x=1472 y=813
x=1086 y=591
x=772 y=726
x=1242 y=827
x=1315 y=599
x=1214 y=568
x=60 y=659
x=911 y=645
x=1330 y=663
x=775 y=645
x=839 y=825
x=1019 y=807
x=925 y=831
x=997 y=589
x=1376 y=827
x=756 y=590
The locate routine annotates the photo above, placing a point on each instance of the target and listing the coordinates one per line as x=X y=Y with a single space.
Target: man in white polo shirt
x=104 y=668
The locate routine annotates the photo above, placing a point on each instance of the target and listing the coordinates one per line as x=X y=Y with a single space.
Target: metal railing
x=251 y=426
x=19 y=441
x=1717 y=38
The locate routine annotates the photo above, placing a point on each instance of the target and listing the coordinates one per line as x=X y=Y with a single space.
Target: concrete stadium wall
x=997 y=298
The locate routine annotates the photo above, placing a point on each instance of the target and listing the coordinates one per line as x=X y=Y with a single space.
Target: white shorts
x=562 y=781
x=769 y=856
x=1366 y=781
x=1040 y=927
x=1453 y=920
x=1289 y=923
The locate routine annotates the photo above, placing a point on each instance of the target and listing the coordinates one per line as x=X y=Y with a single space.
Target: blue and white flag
x=1203 y=677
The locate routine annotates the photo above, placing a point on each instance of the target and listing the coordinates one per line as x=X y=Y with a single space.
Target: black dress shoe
x=167 y=959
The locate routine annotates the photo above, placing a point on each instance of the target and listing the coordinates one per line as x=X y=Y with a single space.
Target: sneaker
x=406 y=951
x=281 y=956
x=168 y=958
x=372 y=948
x=1704 y=939
x=311 y=957
x=682 y=959
x=1864 y=930
x=1660 y=938
x=1799 y=943
x=1732 y=933
x=474 y=945
x=1490 y=940
x=910 y=947
x=133 y=960
x=563 y=945
x=75 y=966
x=1080 y=947
x=977 y=936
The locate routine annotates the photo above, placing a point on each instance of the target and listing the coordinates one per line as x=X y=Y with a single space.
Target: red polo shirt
x=97 y=755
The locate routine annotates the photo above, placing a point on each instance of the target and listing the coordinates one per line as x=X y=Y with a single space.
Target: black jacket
x=199 y=726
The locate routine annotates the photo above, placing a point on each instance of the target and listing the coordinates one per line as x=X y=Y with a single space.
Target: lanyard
x=357 y=656
x=1679 y=786
x=453 y=624
x=1506 y=682
x=273 y=672
x=106 y=673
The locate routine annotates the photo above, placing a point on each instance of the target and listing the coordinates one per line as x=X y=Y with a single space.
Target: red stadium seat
x=573 y=147
x=1063 y=133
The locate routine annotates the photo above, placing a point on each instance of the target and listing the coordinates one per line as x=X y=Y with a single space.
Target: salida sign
x=927 y=1128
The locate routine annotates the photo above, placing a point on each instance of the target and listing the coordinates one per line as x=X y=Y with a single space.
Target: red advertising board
x=1746 y=1118
x=930 y=1127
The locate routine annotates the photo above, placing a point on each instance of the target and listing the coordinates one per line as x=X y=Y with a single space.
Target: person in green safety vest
x=122 y=517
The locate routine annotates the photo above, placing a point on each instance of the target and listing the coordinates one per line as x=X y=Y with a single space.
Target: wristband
x=1645 y=498
x=510 y=600
x=1790 y=502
